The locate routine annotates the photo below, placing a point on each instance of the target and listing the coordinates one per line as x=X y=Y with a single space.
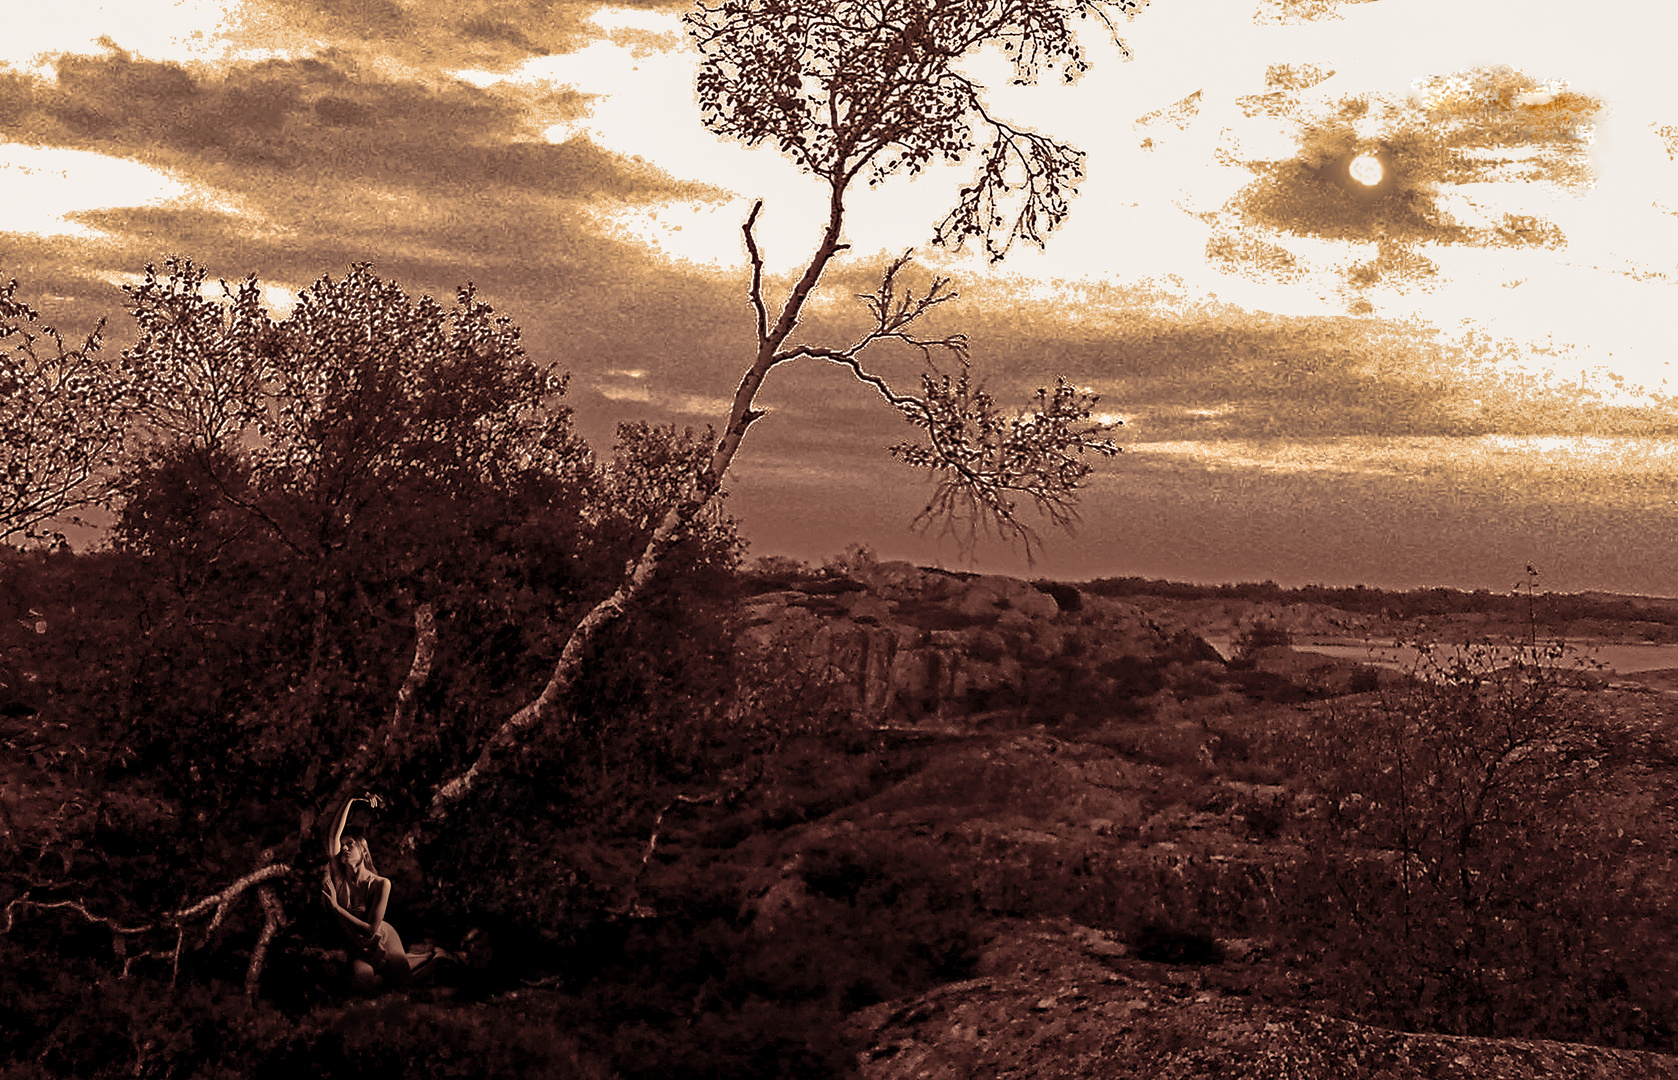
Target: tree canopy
x=63 y=418
x=847 y=88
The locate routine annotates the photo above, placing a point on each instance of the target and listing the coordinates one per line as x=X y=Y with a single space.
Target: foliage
x=360 y=402
x=317 y=479
x=985 y=459
x=1259 y=634
x=199 y=364
x=63 y=419
x=1555 y=609
x=842 y=87
x=650 y=466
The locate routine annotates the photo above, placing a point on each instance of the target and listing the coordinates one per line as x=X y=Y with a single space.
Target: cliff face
x=901 y=645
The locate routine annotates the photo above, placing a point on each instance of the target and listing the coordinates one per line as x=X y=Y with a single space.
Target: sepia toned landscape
x=889 y=821
x=816 y=538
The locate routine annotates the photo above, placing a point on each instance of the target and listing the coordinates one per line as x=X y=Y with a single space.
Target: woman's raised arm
x=335 y=832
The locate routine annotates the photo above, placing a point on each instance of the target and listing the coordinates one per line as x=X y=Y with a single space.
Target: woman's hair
x=359 y=832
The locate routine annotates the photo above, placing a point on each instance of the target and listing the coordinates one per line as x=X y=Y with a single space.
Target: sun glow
x=1366 y=170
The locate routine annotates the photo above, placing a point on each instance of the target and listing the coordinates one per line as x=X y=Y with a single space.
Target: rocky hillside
x=1092 y=773
x=902 y=645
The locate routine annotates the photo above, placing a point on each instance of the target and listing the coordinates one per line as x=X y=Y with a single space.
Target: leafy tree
x=848 y=89
x=321 y=486
x=63 y=419
x=199 y=364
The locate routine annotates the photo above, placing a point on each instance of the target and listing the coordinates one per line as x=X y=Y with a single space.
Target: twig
x=632 y=905
x=757 y=273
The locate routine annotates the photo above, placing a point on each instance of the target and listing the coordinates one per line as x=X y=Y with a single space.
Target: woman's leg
x=393 y=965
x=363 y=979
x=422 y=962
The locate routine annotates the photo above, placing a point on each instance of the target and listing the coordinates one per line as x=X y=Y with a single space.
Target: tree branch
x=219 y=902
x=273 y=917
x=757 y=273
x=379 y=744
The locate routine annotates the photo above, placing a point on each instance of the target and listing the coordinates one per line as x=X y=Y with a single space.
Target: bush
x=1244 y=649
x=1469 y=872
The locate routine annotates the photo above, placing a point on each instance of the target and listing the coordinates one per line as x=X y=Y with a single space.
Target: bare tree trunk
x=380 y=743
x=640 y=570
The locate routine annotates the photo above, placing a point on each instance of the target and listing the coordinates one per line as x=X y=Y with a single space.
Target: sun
x=1366 y=170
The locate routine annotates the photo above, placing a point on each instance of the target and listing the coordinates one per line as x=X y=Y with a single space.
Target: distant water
x=1619 y=659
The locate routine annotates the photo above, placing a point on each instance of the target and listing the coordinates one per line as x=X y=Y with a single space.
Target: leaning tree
x=863 y=90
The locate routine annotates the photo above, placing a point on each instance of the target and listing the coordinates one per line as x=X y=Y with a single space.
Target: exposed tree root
x=216 y=905
x=273 y=917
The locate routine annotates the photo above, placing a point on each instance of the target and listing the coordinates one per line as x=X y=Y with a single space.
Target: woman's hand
x=373 y=801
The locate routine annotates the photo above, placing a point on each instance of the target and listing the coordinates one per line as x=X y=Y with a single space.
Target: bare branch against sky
x=1379 y=289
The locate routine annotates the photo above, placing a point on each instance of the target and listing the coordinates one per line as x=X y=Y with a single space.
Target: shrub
x=1464 y=874
x=1263 y=634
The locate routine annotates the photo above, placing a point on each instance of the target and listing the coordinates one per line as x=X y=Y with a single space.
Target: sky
x=1438 y=378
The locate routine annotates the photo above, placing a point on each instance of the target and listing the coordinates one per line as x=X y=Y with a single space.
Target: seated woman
x=358 y=897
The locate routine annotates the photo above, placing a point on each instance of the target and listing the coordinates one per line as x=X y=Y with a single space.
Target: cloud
x=1283 y=84
x=325 y=114
x=1178 y=115
x=329 y=159
x=1176 y=369
x=1442 y=151
x=290 y=168
x=437 y=35
x=1294 y=12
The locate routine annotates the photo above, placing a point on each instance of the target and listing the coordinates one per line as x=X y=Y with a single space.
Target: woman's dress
x=389 y=961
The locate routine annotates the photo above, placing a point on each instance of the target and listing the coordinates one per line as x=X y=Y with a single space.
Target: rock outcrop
x=905 y=645
x=1062 y=1002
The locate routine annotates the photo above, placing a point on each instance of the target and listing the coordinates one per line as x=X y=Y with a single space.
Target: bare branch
x=273 y=916
x=233 y=891
x=892 y=313
x=24 y=902
x=757 y=273
x=380 y=743
x=743 y=782
x=260 y=878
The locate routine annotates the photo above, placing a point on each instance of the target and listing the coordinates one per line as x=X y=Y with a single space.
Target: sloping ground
x=1046 y=1005
x=1059 y=840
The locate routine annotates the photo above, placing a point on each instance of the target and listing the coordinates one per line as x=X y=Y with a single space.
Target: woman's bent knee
x=363 y=979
